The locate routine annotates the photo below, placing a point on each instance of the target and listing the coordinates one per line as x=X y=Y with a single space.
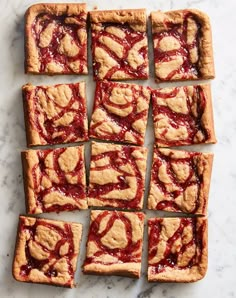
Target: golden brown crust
x=31 y=51
x=55 y=104
x=205 y=64
x=187 y=273
x=102 y=257
x=40 y=243
x=45 y=190
x=180 y=181
x=135 y=17
x=110 y=162
x=190 y=108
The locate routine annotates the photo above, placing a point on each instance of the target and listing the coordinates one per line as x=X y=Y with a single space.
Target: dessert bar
x=55 y=114
x=119 y=44
x=56 y=39
x=120 y=112
x=182 y=45
x=183 y=116
x=180 y=181
x=54 y=179
x=177 y=249
x=47 y=251
x=117 y=176
x=114 y=245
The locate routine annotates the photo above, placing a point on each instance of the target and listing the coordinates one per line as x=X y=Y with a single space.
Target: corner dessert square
x=117 y=176
x=119 y=44
x=56 y=39
x=182 y=43
x=177 y=249
x=114 y=245
x=183 y=116
x=54 y=180
x=120 y=112
x=55 y=114
x=180 y=181
x=47 y=251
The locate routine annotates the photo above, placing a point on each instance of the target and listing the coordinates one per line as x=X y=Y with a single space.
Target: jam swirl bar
x=182 y=45
x=47 y=251
x=56 y=39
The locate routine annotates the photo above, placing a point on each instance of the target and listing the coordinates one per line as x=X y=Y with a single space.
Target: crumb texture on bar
x=114 y=245
x=180 y=181
x=55 y=114
x=56 y=39
x=47 y=251
x=120 y=112
x=183 y=116
x=117 y=176
x=182 y=45
x=54 y=179
x=119 y=44
x=177 y=249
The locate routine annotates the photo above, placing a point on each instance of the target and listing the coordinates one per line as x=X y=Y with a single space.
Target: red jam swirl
x=193 y=124
x=75 y=191
x=50 y=53
x=169 y=258
x=102 y=98
x=128 y=42
x=117 y=159
x=69 y=133
x=132 y=251
x=33 y=263
x=188 y=70
x=194 y=178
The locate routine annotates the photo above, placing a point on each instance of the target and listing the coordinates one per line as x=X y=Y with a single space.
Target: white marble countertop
x=220 y=280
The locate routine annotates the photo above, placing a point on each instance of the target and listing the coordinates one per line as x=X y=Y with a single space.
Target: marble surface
x=220 y=279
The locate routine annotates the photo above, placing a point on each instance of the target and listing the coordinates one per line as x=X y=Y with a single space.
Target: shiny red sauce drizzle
x=131 y=38
x=32 y=263
x=190 y=121
x=117 y=159
x=76 y=191
x=198 y=180
x=76 y=129
x=51 y=53
x=188 y=70
x=132 y=251
x=102 y=97
x=170 y=259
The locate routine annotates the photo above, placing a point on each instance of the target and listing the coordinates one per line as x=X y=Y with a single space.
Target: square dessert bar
x=180 y=181
x=114 y=245
x=56 y=39
x=119 y=44
x=120 y=112
x=183 y=116
x=177 y=249
x=54 y=179
x=47 y=251
x=117 y=176
x=182 y=45
x=55 y=114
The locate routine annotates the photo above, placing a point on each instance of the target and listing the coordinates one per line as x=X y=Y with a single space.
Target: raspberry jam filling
x=193 y=123
x=56 y=134
x=74 y=191
x=103 y=98
x=50 y=53
x=131 y=37
x=170 y=259
x=117 y=159
x=193 y=179
x=46 y=266
x=179 y=32
x=132 y=251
